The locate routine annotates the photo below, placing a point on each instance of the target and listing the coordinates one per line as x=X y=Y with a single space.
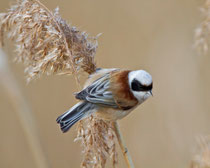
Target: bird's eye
x=137 y=86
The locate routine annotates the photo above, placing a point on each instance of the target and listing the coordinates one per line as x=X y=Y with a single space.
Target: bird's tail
x=76 y=113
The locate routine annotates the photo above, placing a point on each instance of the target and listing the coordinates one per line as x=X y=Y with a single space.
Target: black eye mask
x=137 y=86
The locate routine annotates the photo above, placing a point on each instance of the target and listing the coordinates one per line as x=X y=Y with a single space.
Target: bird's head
x=140 y=83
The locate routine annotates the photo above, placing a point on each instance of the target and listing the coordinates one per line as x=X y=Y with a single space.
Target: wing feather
x=98 y=92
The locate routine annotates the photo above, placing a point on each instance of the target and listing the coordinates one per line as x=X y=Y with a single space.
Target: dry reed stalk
x=202 y=159
x=123 y=147
x=24 y=113
x=202 y=32
x=45 y=43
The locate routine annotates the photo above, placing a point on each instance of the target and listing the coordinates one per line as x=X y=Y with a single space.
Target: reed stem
x=123 y=146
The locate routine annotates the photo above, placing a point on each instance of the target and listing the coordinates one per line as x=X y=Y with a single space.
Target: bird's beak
x=151 y=92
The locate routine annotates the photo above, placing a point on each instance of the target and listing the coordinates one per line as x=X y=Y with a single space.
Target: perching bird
x=110 y=94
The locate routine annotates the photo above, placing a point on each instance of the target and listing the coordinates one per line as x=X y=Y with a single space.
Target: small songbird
x=110 y=94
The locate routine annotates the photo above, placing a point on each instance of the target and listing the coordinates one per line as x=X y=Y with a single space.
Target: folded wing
x=99 y=93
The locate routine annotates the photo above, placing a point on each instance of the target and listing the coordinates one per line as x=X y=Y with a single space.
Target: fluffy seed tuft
x=45 y=43
x=202 y=159
x=202 y=32
x=98 y=141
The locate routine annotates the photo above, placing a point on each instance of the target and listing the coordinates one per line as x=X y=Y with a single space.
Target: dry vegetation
x=98 y=140
x=46 y=44
x=202 y=36
x=202 y=32
x=202 y=158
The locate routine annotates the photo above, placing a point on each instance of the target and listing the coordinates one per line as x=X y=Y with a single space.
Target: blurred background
x=155 y=35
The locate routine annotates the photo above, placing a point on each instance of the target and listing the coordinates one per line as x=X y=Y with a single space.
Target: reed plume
x=44 y=41
x=202 y=32
x=202 y=158
x=98 y=140
x=46 y=44
x=202 y=42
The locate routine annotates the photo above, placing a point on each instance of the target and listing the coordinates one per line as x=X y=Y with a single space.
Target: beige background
x=156 y=35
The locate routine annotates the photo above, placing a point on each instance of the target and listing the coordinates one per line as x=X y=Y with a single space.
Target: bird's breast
x=111 y=114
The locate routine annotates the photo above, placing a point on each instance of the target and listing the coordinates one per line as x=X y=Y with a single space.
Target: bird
x=108 y=94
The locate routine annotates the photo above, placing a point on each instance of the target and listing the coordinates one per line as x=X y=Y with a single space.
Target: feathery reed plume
x=202 y=159
x=202 y=32
x=45 y=43
x=98 y=140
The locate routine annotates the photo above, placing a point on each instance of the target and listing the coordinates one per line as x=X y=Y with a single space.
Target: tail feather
x=76 y=113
